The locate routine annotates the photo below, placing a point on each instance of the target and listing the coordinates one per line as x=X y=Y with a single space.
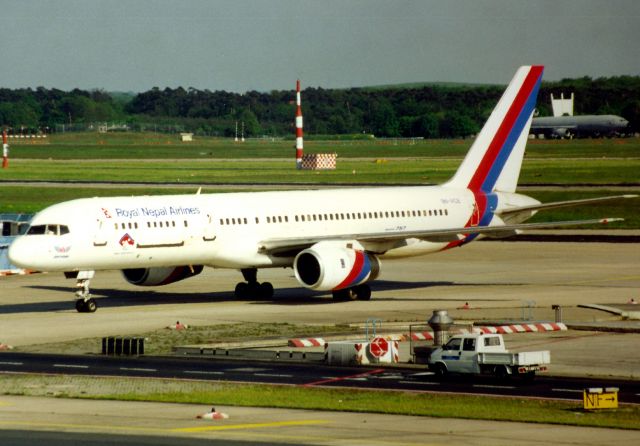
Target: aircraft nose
x=19 y=254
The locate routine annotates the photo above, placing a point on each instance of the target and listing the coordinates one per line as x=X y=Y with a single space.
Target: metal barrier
x=122 y=346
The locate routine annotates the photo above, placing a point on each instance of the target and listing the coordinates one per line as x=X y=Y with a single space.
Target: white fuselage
x=227 y=229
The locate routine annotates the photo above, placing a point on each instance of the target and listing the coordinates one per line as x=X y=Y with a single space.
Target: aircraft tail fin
x=495 y=158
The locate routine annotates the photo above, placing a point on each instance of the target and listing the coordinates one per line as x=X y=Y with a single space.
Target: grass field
x=209 y=162
x=154 y=145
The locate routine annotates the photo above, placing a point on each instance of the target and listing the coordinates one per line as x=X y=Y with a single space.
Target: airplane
x=580 y=126
x=334 y=239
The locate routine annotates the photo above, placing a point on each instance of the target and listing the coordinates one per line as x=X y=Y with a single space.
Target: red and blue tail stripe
x=508 y=133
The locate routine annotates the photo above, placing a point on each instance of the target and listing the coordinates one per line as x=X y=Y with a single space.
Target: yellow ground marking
x=101 y=428
x=249 y=426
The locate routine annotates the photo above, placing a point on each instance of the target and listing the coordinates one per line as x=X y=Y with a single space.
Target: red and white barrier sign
x=379 y=347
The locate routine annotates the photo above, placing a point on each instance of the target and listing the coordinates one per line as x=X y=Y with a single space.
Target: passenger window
x=469 y=345
x=64 y=230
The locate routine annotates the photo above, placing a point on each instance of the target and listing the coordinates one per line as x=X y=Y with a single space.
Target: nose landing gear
x=85 y=303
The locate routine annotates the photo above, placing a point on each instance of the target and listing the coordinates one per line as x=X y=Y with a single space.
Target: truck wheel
x=501 y=372
x=440 y=370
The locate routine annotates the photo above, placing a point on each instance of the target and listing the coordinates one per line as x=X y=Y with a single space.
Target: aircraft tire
x=91 y=306
x=265 y=290
x=242 y=290
x=343 y=295
x=362 y=292
x=86 y=306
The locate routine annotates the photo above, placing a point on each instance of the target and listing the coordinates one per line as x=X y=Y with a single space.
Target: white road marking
x=423 y=374
x=487 y=386
x=248 y=369
x=11 y=363
x=567 y=390
x=420 y=383
x=135 y=369
x=273 y=375
x=199 y=372
x=71 y=366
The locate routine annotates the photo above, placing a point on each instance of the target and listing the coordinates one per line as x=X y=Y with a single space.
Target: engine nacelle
x=329 y=266
x=160 y=275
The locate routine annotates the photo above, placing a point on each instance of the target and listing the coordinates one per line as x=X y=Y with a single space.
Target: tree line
x=429 y=111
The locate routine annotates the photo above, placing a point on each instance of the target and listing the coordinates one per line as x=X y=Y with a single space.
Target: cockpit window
x=48 y=230
x=36 y=230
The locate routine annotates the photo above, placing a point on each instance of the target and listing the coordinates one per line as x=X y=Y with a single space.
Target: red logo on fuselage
x=126 y=240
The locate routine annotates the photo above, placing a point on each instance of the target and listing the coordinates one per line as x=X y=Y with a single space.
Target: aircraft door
x=209 y=231
x=100 y=236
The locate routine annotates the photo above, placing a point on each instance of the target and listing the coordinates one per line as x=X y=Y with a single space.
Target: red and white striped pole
x=5 y=150
x=299 y=145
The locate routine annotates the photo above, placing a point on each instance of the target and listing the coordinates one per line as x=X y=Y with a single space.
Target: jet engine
x=330 y=266
x=160 y=275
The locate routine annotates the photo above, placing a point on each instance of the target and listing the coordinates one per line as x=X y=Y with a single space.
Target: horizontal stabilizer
x=562 y=204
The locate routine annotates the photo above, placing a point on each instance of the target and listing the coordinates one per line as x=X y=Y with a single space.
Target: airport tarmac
x=35 y=420
x=501 y=281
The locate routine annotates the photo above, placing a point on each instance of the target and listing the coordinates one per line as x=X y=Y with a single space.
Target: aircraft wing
x=290 y=246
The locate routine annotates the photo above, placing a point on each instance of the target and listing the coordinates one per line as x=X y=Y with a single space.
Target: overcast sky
x=241 y=45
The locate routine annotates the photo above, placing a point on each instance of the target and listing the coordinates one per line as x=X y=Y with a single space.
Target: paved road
x=310 y=375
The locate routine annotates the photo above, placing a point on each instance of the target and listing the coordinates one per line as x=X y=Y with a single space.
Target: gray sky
x=241 y=45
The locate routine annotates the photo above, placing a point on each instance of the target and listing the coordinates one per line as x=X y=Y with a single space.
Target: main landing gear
x=359 y=292
x=252 y=288
x=85 y=303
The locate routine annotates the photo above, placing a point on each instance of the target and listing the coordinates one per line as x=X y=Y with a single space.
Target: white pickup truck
x=485 y=354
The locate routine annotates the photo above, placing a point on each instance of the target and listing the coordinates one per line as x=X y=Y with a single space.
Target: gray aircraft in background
x=579 y=126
